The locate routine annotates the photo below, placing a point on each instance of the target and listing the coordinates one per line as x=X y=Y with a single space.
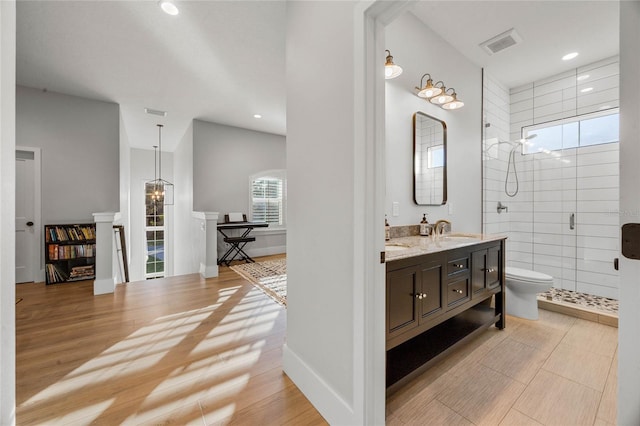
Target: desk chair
x=236 y=244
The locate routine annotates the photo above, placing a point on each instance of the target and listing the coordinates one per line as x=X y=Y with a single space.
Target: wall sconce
x=391 y=70
x=438 y=94
x=429 y=90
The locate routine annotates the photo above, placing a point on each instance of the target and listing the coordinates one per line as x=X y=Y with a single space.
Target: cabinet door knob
x=458 y=265
x=457 y=291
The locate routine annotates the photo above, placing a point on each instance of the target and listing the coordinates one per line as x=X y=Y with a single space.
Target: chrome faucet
x=441 y=226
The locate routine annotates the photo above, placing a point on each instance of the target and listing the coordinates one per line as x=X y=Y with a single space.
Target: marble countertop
x=404 y=247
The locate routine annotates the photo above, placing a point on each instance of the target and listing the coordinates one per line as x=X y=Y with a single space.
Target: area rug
x=269 y=276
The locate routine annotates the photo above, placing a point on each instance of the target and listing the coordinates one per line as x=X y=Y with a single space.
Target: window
x=154 y=230
x=268 y=195
x=584 y=130
x=436 y=156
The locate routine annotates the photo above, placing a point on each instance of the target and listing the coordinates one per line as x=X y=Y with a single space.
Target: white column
x=209 y=267
x=105 y=281
x=7 y=212
x=629 y=321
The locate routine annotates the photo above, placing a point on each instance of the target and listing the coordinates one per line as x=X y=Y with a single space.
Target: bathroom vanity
x=439 y=293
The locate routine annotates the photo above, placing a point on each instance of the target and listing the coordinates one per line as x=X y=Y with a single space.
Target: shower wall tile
x=598 y=290
x=582 y=181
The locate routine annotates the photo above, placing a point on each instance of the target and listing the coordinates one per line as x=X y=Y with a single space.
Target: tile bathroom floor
x=559 y=370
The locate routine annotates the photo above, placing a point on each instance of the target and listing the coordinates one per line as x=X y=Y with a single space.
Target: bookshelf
x=69 y=252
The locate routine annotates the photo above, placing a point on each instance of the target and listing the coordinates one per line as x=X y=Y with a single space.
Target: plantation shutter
x=267 y=200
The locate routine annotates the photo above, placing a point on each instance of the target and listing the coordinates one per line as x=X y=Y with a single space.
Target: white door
x=25 y=226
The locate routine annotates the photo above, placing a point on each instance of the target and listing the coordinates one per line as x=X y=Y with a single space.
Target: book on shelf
x=70 y=251
x=58 y=233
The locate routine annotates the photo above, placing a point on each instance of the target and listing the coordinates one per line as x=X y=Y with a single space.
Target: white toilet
x=523 y=287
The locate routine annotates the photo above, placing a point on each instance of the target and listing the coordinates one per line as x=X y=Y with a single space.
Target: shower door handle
x=572 y=221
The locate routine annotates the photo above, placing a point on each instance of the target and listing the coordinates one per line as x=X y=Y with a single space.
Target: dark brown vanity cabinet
x=485 y=270
x=414 y=294
x=438 y=300
x=457 y=290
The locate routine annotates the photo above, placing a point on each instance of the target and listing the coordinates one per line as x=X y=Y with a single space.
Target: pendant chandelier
x=161 y=190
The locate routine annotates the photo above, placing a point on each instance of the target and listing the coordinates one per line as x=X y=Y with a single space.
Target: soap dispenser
x=387 y=229
x=425 y=226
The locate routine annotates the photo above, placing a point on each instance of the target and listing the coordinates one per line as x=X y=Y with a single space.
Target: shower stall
x=551 y=176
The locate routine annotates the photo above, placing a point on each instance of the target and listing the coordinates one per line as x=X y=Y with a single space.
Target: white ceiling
x=549 y=30
x=217 y=61
x=223 y=61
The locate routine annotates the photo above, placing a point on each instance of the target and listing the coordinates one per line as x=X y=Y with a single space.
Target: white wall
x=142 y=170
x=80 y=141
x=419 y=50
x=319 y=352
x=185 y=259
x=125 y=185
x=223 y=159
x=628 y=343
x=7 y=212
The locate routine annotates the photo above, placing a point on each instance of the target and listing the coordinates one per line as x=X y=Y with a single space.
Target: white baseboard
x=266 y=251
x=104 y=286
x=330 y=405
x=208 y=271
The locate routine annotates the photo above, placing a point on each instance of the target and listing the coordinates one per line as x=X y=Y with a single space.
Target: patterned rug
x=269 y=276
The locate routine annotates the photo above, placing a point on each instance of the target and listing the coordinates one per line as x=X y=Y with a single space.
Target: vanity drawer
x=458 y=265
x=457 y=292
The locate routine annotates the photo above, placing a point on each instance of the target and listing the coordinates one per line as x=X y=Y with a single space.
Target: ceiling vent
x=501 y=42
x=155 y=112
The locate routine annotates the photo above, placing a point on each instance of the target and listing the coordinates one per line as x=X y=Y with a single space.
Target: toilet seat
x=527 y=276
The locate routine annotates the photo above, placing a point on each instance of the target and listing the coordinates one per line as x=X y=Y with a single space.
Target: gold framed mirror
x=429 y=160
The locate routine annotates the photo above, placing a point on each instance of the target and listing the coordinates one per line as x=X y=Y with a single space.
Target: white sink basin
x=395 y=247
x=459 y=237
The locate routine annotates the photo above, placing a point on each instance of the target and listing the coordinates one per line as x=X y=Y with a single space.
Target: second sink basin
x=395 y=247
x=459 y=237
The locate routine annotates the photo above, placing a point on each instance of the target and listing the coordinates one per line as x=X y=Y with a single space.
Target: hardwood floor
x=560 y=370
x=185 y=350
x=180 y=350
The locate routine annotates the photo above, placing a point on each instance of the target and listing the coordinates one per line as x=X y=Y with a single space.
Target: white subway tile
x=598 y=182
x=600 y=279
x=609 y=292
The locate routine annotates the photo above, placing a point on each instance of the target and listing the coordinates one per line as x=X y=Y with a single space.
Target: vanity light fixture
x=429 y=90
x=442 y=98
x=455 y=103
x=169 y=7
x=438 y=94
x=391 y=70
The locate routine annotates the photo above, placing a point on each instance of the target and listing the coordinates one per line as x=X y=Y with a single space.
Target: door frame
x=37 y=261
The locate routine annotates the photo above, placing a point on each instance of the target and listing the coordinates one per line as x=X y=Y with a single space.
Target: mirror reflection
x=429 y=160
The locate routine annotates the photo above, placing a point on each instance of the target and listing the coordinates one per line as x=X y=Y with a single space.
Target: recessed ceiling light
x=169 y=7
x=586 y=89
x=569 y=56
x=583 y=77
x=257 y=116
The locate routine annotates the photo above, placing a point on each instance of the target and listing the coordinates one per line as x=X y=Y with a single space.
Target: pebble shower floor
x=589 y=301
